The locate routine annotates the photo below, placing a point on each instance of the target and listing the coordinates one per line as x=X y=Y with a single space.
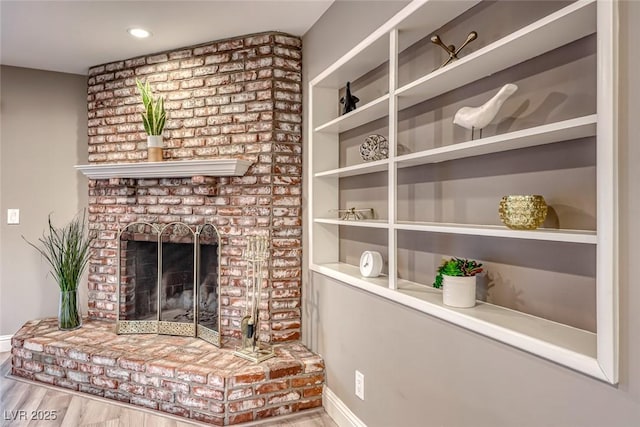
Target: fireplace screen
x=168 y=279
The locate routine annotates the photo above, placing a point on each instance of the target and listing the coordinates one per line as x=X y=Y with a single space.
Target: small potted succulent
x=153 y=119
x=457 y=277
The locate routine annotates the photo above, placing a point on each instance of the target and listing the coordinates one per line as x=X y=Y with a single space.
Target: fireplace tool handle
x=255 y=255
x=262 y=258
x=247 y=325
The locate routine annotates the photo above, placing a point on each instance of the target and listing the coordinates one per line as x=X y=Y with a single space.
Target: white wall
x=43 y=134
x=421 y=371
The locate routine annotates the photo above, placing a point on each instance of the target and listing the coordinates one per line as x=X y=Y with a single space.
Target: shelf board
x=367 y=55
x=371 y=223
x=567 y=236
x=555 y=341
x=360 y=169
x=580 y=127
x=351 y=274
x=558 y=29
x=173 y=169
x=369 y=112
x=429 y=17
x=519 y=329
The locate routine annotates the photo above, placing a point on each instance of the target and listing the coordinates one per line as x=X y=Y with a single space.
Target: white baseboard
x=5 y=343
x=338 y=411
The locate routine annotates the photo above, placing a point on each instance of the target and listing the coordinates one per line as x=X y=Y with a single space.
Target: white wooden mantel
x=172 y=169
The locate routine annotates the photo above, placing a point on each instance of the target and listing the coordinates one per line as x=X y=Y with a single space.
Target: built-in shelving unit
x=594 y=353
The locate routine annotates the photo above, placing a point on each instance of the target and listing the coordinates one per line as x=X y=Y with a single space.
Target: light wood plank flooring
x=79 y=410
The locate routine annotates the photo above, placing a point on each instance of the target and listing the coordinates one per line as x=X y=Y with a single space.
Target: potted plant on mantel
x=66 y=249
x=458 y=278
x=153 y=119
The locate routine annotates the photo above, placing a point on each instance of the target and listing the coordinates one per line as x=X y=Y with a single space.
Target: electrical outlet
x=360 y=384
x=13 y=216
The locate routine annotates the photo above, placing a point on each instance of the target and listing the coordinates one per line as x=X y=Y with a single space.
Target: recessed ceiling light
x=139 y=33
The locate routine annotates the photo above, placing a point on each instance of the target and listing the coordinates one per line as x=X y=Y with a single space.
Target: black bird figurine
x=349 y=100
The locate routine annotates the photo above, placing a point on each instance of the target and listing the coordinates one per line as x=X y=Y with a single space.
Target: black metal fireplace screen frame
x=158 y=326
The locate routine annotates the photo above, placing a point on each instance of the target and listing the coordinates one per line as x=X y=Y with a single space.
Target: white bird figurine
x=478 y=117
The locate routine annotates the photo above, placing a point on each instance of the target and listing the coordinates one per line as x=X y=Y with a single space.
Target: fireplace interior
x=141 y=264
x=169 y=274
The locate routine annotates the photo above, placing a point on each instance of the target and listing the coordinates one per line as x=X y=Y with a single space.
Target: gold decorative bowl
x=523 y=212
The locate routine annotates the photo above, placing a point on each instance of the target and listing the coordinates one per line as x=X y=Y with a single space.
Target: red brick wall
x=233 y=98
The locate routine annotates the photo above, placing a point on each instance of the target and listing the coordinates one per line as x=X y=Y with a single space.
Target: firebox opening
x=177 y=282
x=142 y=272
x=186 y=291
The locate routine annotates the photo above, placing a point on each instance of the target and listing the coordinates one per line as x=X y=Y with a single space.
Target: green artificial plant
x=154 y=115
x=66 y=250
x=456 y=267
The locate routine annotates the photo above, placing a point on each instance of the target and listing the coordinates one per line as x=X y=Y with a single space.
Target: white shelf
x=530 y=333
x=562 y=27
x=546 y=338
x=580 y=127
x=368 y=55
x=369 y=112
x=351 y=274
x=567 y=236
x=360 y=169
x=416 y=21
x=370 y=223
x=173 y=169
x=428 y=18
x=566 y=130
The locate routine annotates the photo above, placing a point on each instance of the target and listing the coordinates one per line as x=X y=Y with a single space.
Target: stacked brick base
x=178 y=375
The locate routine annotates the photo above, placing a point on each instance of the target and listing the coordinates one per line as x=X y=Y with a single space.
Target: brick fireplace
x=235 y=98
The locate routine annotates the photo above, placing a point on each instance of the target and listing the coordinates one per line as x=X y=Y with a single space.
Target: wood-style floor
x=79 y=410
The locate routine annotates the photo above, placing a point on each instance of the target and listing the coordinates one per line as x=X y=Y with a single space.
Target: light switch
x=13 y=216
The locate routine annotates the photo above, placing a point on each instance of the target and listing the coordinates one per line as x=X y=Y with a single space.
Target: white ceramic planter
x=154 y=141
x=459 y=291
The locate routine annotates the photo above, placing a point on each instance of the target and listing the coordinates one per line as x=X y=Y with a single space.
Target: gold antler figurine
x=451 y=49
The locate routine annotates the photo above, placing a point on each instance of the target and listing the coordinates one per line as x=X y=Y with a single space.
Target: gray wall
x=420 y=371
x=43 y=134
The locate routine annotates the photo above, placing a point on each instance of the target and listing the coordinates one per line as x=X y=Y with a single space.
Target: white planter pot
x=154 y=141
x=459 y=291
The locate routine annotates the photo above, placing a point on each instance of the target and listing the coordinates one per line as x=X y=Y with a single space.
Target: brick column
x=239 y=97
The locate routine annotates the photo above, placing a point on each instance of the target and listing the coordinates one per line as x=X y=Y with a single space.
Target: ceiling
x=71 y=36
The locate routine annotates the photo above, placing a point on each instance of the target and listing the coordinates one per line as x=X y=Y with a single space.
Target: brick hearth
x=179 y=375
